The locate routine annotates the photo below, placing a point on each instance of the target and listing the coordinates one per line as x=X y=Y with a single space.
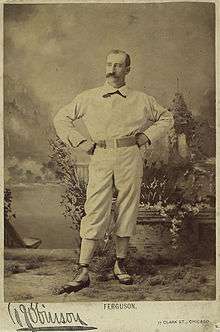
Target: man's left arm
x=163 y=121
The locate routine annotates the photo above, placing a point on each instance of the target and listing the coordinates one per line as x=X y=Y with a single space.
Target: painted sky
x=59 y=49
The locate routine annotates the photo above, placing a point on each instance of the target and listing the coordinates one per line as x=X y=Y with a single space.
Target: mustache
x=110 y=75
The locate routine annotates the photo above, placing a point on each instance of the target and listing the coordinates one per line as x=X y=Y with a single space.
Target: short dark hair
x=127 y=56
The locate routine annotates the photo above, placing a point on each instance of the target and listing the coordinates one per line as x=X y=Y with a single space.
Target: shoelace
x=77 y=271
x=121 y=265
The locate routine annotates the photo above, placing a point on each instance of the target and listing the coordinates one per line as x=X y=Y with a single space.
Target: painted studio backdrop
x=52 y=52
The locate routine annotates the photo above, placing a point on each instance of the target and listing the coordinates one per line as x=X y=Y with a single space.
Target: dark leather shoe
x=81 y=280
x=121 y=274
x=74 y=286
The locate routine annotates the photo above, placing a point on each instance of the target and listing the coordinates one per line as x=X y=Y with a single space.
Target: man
x=117 y=119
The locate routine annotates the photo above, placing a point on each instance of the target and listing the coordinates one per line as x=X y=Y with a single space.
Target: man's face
x=116 y=69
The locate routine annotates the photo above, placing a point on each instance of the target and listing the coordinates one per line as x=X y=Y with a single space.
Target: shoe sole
x=128 y=282
x=70 y=289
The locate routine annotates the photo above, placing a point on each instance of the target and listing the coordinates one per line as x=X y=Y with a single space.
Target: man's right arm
x=64 y=125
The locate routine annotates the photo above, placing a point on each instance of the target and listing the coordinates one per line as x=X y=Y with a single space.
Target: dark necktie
x=113 y=93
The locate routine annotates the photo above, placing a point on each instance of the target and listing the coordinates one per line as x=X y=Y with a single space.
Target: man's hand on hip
x=142 y=139
x=87 y=146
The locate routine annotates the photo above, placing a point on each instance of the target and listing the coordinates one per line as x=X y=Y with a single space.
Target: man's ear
x=127 y=70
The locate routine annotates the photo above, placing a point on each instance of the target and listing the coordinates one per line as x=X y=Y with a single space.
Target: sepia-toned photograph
x=109 y=152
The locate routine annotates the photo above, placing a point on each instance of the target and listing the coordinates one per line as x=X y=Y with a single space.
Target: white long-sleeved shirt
x=112 y=117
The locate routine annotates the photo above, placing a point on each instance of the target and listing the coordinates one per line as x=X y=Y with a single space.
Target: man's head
x=117 y=67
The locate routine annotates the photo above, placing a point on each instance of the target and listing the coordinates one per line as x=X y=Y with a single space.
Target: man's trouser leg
x=121 y=246
x=98 y=203
x=86 y=252
x=128 y=177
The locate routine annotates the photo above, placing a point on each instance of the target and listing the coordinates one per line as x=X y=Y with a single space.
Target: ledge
x=150 y=217
x=41 y=254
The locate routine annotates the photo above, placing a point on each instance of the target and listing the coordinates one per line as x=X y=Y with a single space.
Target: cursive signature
x=35 y=317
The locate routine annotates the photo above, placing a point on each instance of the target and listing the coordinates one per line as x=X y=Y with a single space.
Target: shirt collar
x=107 y=88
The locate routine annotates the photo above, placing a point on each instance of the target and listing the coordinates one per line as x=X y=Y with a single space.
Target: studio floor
x=36 y=275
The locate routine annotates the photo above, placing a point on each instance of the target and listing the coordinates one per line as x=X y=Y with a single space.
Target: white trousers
x=119 y=167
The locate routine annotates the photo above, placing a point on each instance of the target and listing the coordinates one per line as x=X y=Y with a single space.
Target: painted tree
x=9 y=214
x=183 y=119
x=64 y=167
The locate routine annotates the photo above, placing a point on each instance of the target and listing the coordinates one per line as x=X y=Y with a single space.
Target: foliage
x=172 y=183
x=156 y=185
x=73 y=198
x=9 y=215
x=197 y=130
x=183 y=120
x=177 y=193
